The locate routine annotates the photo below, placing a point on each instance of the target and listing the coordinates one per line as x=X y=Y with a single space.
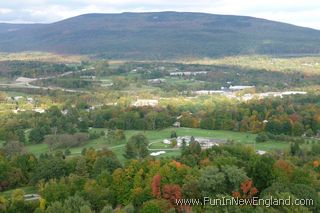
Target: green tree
x=155 y=206
x=173 y=134
x=81 y=167
x=36 y=135
x=295 y=149
x=137 y=147
x=261 y=171
x=50 y=168
x=107 y=209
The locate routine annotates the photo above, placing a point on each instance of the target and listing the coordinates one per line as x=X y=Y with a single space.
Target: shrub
x=262 y=137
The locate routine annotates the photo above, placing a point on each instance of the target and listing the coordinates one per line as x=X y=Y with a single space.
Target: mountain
x=161 y=35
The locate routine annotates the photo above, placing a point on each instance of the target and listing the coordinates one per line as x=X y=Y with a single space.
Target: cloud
x=299 y=12
x=4 y=11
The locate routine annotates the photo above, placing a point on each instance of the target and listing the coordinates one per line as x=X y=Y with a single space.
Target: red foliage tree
x=247 y=190
x=171 y=193
x=155 y=186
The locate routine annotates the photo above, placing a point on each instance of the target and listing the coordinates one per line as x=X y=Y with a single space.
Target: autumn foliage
x=247 y=190
x=155 y=186
x=283 y=166
x=170 y=192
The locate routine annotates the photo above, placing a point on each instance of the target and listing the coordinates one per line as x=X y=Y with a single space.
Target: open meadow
x=156 y=138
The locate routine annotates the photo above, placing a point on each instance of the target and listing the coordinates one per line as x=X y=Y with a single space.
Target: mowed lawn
x=156 y=137
x=26 y=189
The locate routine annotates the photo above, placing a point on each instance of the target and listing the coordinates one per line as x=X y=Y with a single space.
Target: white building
x=156 y=81
x=240 y=87
x=39 y=110
x=208 y=92
x=188 y=73
x=17 y=98
x=145 y=102
x=205 y=143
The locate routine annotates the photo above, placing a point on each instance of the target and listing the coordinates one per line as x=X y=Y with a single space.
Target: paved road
x=165 y=149
x=30 y=86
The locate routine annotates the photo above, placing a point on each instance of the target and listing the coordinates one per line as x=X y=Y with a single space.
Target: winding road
x=27 y=84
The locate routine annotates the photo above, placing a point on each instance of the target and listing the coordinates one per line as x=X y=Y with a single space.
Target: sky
x=299 y=12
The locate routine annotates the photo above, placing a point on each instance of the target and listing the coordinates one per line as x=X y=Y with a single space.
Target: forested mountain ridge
x=161 y=35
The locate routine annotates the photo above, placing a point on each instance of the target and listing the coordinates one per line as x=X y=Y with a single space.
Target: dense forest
x=96 y=181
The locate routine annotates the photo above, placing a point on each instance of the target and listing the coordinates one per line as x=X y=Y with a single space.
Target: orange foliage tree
x=170 y=192
x=247 y=190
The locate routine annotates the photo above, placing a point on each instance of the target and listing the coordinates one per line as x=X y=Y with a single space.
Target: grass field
x=156 y=137
x=41 y=56
x=308 y=65
x=27 y=190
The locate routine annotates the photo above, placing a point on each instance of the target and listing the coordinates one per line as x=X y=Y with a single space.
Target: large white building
x=146 y=102
x=188 y=73
x=240 y=87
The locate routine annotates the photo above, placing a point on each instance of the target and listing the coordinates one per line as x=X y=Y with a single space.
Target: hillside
x=161 y=36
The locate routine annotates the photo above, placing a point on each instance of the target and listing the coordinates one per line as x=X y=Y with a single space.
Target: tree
x=105 y=163
x=173 y=134
x=195 y=148
x=54 y=191
x=13 y=148
x=81 y=167
x=171 y=192
x=17 y=195
x=119 y=135
x=83 y=126
x=3 y=204
x=50 y=168
x=309 y=133
x=75 y=203
x=21 y=136
x=213 y=180
x=262 y=137
x=297 y=129
x=155 y=206
x=184 y=148
x=156 y=186
x=57 y=207
x=295 y=149
x=137 y=147
x=36 y=135
x=247 y=190
x=282 y=171
x=72 y=204
x=315 y=149
x=107 y=209
x=261 y=172
x=67 y=152
x=116 y=136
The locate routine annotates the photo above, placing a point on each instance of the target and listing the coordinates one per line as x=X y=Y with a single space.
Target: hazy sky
x=299 y=12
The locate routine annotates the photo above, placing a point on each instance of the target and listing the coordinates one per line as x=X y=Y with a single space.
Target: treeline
x=34 y=69
x=67 y=83
x=293 y=116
